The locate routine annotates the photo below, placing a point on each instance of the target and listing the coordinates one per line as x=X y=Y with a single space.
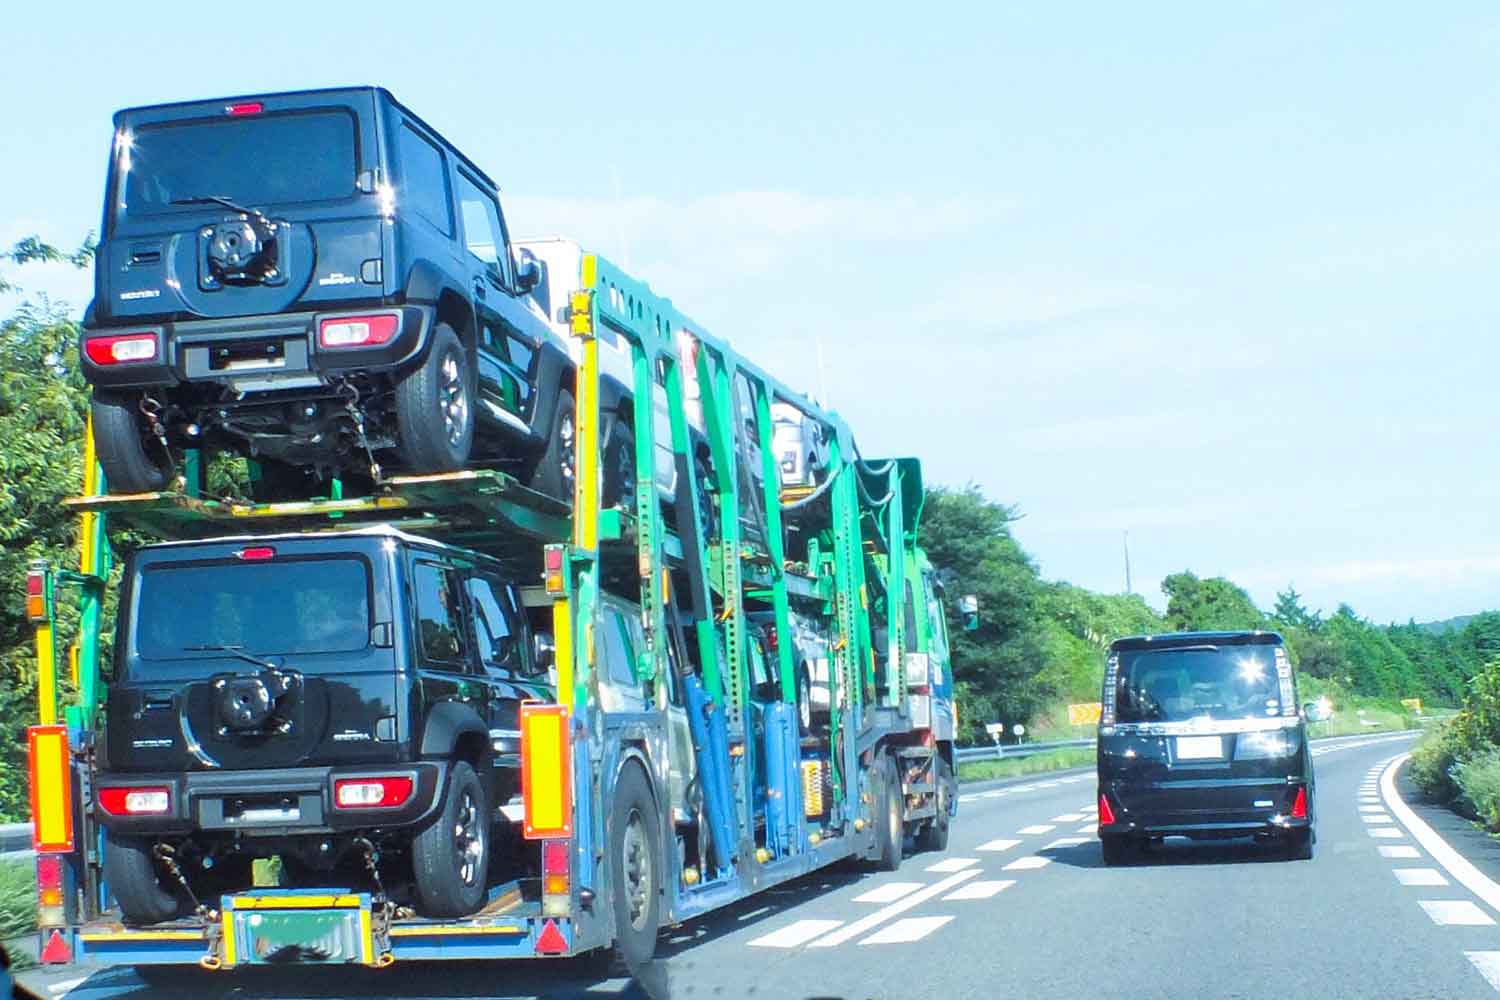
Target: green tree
x=1212 y=604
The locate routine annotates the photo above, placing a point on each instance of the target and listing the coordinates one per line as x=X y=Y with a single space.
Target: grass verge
x=17 y=906
x=1052 y=760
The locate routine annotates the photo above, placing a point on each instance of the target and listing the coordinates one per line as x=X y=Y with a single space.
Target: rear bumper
x=224 y=351
x=271 y=802
x=1204 y=808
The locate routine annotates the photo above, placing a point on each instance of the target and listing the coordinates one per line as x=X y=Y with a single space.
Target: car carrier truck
x=662 y=768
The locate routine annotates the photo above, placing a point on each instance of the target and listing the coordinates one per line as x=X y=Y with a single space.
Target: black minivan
x=1200 y=735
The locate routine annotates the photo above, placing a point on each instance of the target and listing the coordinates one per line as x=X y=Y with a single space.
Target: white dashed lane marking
x=979 y=890
x=1388 y=832
x=885 y=913
x=1088 y=828
x=1065 y=842
x=1374 y=820
x=794 y=934
x=953 y=864
x=1488 y=964
x=1419 y=876
x=906 y=930
x=997 y=845
x=1027 y=863
x=888 y=893
x=1399 y=851
x=1068 y=818
x=1037 y=829
x=1456 y=912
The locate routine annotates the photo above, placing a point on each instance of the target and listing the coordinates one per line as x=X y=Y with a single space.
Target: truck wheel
x=120 y=436
x=934 y=836
x=634 y=853
x=435 y=406
x=451 y=855
x=804 y=700
x=554 y=473
x=890 y=825
x=138 y=885
x=619 y=470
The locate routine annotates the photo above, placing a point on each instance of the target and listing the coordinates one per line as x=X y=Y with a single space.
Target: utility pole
x=1127 y=563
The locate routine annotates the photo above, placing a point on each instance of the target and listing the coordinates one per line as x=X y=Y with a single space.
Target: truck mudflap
x=301 y=928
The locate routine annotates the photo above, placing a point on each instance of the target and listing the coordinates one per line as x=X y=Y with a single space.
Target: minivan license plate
x=1200 y=747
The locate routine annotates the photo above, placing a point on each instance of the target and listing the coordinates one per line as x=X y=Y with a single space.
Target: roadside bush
x=1432 y=762
x=1478 y=781
x=17 y=899
x=1473 y=735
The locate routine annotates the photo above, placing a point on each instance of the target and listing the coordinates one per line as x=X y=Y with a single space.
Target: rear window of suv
x=257 y=160
x=280 y=606
x=1192 y=682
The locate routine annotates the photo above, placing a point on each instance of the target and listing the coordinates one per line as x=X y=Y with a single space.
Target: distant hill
x=1446 y=625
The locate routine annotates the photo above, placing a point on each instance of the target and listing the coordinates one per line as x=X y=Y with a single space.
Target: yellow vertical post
x=586 y=415
x=46 y=674
x=88 y=525
x=562 y=650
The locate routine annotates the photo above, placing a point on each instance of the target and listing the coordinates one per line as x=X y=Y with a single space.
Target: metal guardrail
x=1004 y=750
x=15 y=837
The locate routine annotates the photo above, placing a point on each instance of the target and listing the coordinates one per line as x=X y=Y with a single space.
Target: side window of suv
x=482 y=233
x=440 y=629
x=495 y=625
x=424 y=180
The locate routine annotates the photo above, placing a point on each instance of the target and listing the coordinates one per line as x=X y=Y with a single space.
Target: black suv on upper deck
x=1200 y=736
x=319 y=281
x=321 y=698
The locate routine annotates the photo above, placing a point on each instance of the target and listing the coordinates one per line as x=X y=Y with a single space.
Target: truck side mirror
x=528 y=272
x=544 y=651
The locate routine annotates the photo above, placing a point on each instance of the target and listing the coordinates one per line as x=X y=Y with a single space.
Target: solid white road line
x=1458 y=867
x=793 y=934
x=1456 y=912
x=1038 y=828
x=885 y=913
x=1388 y=832
x=953 y=864
x=1399 y=851
x=1068 y=818
x=970 y=798
x=888 y=893
x=997 y=845
x=994 y=793
x=64 y=986
x=979 y=890
x=906 y=930
x=1488 y=964
x=1027 y=863
x=1419 y=876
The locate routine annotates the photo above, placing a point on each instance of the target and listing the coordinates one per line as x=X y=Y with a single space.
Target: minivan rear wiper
x=218 y=199
x=238 y=651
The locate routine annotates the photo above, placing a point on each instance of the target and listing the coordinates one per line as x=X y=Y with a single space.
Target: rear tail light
x=556 y=583
x=122 y=349
x=358 y=331
x=372 y=793
x=244 y=108
x=36 y=595
x=50 y=911
x=1299 y=804
x=1106 y=814
x=257 y=553
x=555 y=867
x=152 y=801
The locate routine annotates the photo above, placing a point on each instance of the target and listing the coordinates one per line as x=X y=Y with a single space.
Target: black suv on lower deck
x=318 y=281
x=325 y=699
x=1200 y=736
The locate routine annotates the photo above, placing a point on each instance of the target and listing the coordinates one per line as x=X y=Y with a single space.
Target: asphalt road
x=1021 y=906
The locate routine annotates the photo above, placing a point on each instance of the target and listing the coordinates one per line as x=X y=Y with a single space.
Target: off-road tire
x=619 y=486
x=934 y=836
x=635 y=877
x=440 y=851
x=804 y=700
x=551 y=477
x=143 y=890
x=435 y=406
x=130 y=465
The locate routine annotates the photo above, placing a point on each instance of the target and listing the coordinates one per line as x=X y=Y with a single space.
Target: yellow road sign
x=1084 y=714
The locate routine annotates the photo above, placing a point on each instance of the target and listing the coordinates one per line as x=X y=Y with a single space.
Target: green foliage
x=17 y=899
x=1478 y=781
x=1208 y=605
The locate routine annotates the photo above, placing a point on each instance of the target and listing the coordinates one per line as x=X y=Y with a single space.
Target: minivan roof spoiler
x=1176 y=640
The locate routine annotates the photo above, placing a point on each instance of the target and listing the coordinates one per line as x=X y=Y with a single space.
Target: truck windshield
x=1218 y=682
x=260 y=160
x=284 y=606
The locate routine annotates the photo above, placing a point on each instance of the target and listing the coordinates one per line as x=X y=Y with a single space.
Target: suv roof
x=1167 y=640
x=376 y=530
x=380 y=92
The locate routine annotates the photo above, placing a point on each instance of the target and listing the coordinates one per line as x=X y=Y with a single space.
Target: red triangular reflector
x=56 y=950
x=551 y=940
x=1299 y=806
x=1106 y=814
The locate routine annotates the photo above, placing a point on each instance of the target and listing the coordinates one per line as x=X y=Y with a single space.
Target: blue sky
x=1221 y=276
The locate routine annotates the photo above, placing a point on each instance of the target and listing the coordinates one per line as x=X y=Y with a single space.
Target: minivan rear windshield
x=261 y=608
x=1217 y=682
x=257 y=160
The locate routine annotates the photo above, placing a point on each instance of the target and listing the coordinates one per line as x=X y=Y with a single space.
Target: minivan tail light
x=1106 y=814
x=358 y=331
x=1299 y=804
x=383 y=792
x=122 y=349
x=152 y=801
